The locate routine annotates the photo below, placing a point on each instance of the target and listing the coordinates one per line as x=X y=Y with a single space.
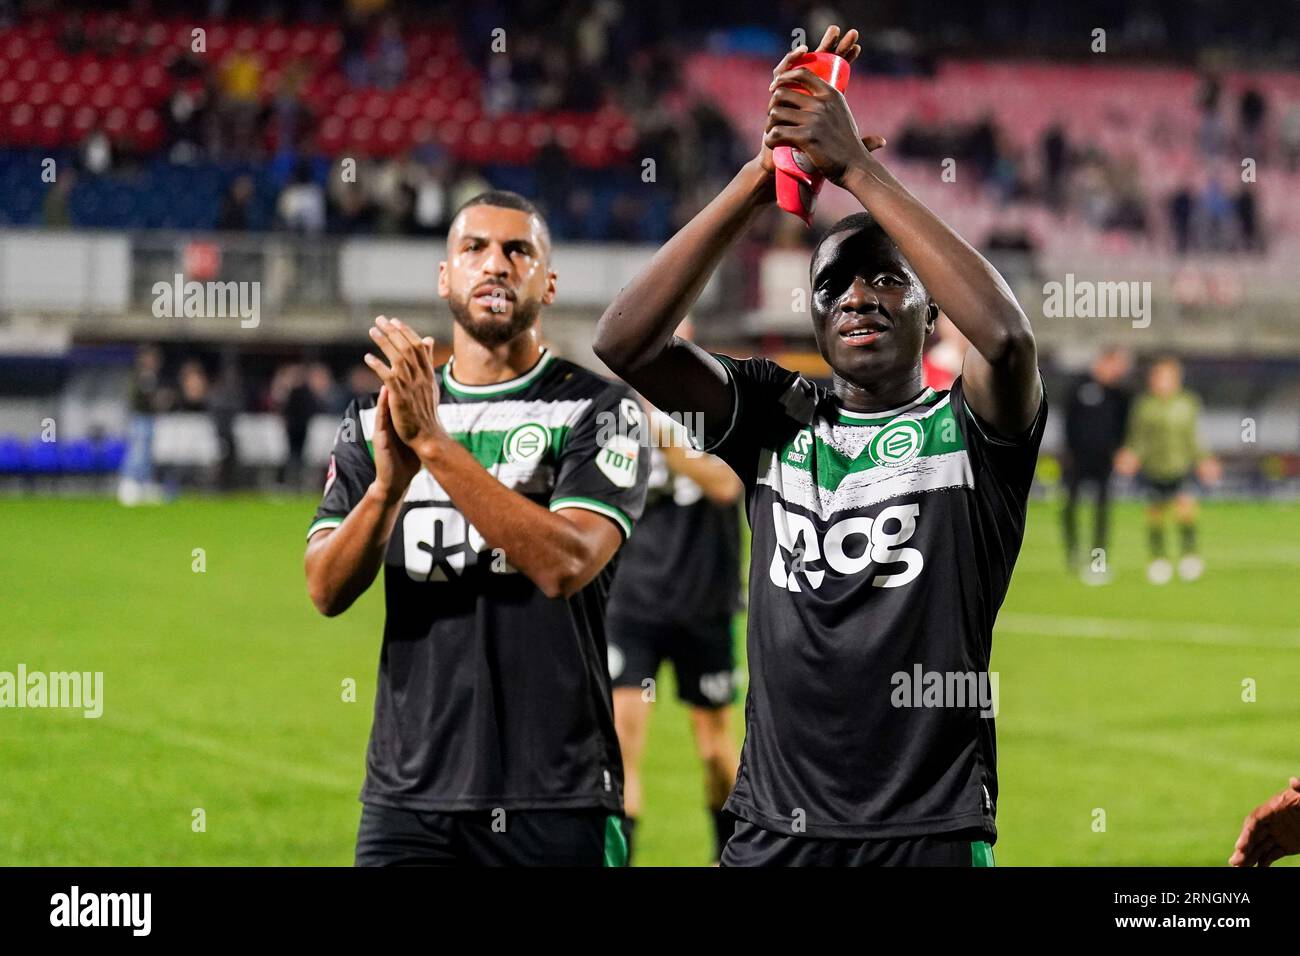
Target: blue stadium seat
x=42 y=457
x=11 y=455
x=109 y=455
x=77 y=456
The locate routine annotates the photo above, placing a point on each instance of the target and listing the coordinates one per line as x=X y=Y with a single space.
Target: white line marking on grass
x=275 y=768
x=1162 y=745
x=1136 y=629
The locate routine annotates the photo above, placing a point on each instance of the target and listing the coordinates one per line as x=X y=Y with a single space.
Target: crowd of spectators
x=1209 y=208
x=226 y=385
x=587 y=55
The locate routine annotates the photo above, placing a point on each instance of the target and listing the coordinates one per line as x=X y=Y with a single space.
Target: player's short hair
x=852 y=223
x=858 y=222
x=505 y=199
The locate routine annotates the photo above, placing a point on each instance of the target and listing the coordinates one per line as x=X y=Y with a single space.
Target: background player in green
x=1163 y=445
x=494 y=491
x=886 y=517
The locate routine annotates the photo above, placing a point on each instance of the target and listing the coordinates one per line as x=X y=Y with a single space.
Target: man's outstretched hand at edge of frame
x=1271 y=831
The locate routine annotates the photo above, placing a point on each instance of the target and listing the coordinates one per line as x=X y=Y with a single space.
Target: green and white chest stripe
x=856 y=460
x=519 y=442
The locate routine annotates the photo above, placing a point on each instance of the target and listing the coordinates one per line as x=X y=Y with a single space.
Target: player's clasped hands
x=410 y=386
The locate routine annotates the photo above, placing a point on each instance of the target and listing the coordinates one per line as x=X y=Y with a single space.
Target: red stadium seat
x=305 y=42
x=83 y=121
x=49 y=131
x=361 y=134
x=392 y=137
x=375 y=106
x=275 y=41
x=22 y=124
x=147 y=130
x=331 y=135
x=348 y=106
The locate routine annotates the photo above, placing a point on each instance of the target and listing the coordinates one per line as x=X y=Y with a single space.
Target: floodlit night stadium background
x=314 y=152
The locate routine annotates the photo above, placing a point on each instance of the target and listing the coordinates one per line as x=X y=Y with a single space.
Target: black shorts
x=1074 y=477
x=1160 y=490
x=751 y=845
x=701 y=653
x=389 y=836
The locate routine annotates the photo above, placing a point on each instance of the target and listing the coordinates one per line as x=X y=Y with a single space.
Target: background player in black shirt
x=1096 y=417
x=494 y=491
x=886 y=517
x=676 y=590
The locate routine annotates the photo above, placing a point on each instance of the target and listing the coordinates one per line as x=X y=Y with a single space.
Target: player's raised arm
x=1000 y=374
x=635 y=335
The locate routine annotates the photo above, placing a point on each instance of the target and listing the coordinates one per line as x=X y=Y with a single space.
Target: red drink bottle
x=797 y=179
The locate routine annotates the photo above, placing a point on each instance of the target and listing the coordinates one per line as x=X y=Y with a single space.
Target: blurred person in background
x=97 y=153
x=56 y=210
x=392 y=188
x=676 y=589
x=241 y=84
x=331 y=398
x=192 y=387
x=292 y=396
x=226 y=402
x=1163 y=446
x=237 y=204
x=362 y=383
x=185 y=117
x=349 y=209
x=1096 y=414
x=301 y=206
x=136 y=484
x=388 y=55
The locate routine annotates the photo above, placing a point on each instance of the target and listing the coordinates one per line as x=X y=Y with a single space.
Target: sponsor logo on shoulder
x=617 y=460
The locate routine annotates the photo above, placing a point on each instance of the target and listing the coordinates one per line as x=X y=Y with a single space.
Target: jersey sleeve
x=765 y=399
x=1002 y=472
x=351 y=468
x=1005 y=463
x=605 y=462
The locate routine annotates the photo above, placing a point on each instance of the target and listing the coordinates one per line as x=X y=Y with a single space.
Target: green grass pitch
x=224 y=692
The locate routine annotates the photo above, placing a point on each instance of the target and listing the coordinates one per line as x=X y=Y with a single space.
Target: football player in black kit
x=494 y=491
x=1096 y=416
x=674 y=595
x=886 y=517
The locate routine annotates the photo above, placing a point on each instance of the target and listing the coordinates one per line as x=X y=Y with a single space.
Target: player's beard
x=492 y=332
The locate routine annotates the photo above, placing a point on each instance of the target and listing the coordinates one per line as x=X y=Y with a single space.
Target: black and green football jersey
x=490 y=694
x=883 y=545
